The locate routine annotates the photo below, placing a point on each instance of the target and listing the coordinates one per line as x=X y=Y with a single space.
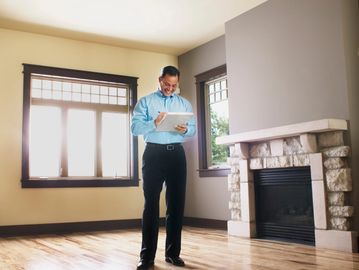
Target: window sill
x=219 y=172
x=71 y=183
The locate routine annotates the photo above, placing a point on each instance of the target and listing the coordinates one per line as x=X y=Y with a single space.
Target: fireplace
x=284 y=205
x=317 y=150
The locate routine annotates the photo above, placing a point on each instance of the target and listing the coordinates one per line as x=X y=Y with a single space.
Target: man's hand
x=181 y=128
x=160 y=118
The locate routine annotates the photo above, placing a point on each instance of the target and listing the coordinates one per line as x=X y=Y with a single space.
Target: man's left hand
x=181 y=128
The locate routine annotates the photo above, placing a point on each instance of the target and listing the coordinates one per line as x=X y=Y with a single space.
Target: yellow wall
x=36 y=206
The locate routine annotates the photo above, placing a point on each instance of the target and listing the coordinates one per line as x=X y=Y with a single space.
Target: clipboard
x=173 y=119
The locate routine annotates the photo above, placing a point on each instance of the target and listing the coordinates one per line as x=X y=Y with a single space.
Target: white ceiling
x=167 y=26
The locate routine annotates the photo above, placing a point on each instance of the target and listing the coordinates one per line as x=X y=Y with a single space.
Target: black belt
x=167 y=147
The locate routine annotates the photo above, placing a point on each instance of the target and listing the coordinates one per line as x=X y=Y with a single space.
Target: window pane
x=56 y=85
x=76 y=87
x=36 y=83
x=67 y=86
x=104 y=99
x=218 y=86
x=46 y=94
x=113 y=100
x=115 y=144
x=95 y=98
x=224 y=94
x=95 y=89
x=122 y=101
x=45 y=141
x=46 y=84
x=122 y=92
x=104 y=90
x=218 y=96
x=219 y=127
x=113 y=91
x=66 y=96
x=86 y=97
x=76 y=97
x=57 y=95
x=81 y=131
x=86 y=88
x=217 y=122
x=36 y=93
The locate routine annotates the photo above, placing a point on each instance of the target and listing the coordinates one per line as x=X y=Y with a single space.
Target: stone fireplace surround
x=318 y=144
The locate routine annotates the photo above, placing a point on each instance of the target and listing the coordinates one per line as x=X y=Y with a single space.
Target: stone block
x=255 y=164
x=235 y=196
x=339 y=180
x=234 y=205
x=292 y=146
x=239 y=150
x=276 y=147
x=335 y=163
x=278 y=162
x=341 y=211
x=336 y=198
x=259 y=150
x=339 y=151
x=235 y=214
x=340 y=223
x=309 y=143
x=235 y=169
x=301 y=160
x=329 y=139
x=233 y=182
x=233 y=161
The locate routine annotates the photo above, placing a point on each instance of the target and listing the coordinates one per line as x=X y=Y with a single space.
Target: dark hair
x=169 y=70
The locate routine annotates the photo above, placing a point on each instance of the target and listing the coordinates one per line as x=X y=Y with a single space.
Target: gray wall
x=291 y=61
x=206 y=197
x=285 y=64
x=288 y=61
x=350 y=30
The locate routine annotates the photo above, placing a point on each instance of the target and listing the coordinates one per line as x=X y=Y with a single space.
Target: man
x=163 y=160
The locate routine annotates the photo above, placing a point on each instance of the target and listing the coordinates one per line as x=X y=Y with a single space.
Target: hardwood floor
x=201 y=249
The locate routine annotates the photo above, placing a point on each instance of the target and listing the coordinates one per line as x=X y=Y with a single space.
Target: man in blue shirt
x=163 y=160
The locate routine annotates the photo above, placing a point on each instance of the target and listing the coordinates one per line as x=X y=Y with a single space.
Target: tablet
x=172 y=119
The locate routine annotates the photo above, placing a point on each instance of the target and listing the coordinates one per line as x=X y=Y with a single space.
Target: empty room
x=161 y=134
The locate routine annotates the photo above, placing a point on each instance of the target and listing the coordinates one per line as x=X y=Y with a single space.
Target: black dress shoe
x=145 y=264
x=177 y=261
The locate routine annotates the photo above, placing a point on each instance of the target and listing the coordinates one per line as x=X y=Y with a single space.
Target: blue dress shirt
x=146 y=111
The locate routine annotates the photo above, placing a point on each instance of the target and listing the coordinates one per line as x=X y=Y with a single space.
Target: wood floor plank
x=201 y=249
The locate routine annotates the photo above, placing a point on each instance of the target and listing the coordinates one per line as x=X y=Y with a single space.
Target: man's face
x=168 y=84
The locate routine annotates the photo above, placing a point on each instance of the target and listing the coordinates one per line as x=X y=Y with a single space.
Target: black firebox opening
x=284 y=204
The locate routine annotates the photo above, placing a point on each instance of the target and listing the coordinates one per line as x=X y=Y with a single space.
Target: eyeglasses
x=168 y=85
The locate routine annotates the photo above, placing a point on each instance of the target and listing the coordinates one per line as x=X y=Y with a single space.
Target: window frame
x=201 y=80
x=61 y=182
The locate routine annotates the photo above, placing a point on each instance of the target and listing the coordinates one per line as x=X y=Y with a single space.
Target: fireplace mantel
x=317 y=126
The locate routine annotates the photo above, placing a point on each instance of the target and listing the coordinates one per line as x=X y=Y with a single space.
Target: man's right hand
x=160 y=118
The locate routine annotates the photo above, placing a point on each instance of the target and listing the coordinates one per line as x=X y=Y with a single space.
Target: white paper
x=172 y=119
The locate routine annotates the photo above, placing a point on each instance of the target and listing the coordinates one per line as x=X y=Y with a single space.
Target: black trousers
x=163 y=163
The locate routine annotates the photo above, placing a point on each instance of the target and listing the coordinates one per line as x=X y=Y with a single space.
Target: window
x=76 y=129
x=212 y=108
